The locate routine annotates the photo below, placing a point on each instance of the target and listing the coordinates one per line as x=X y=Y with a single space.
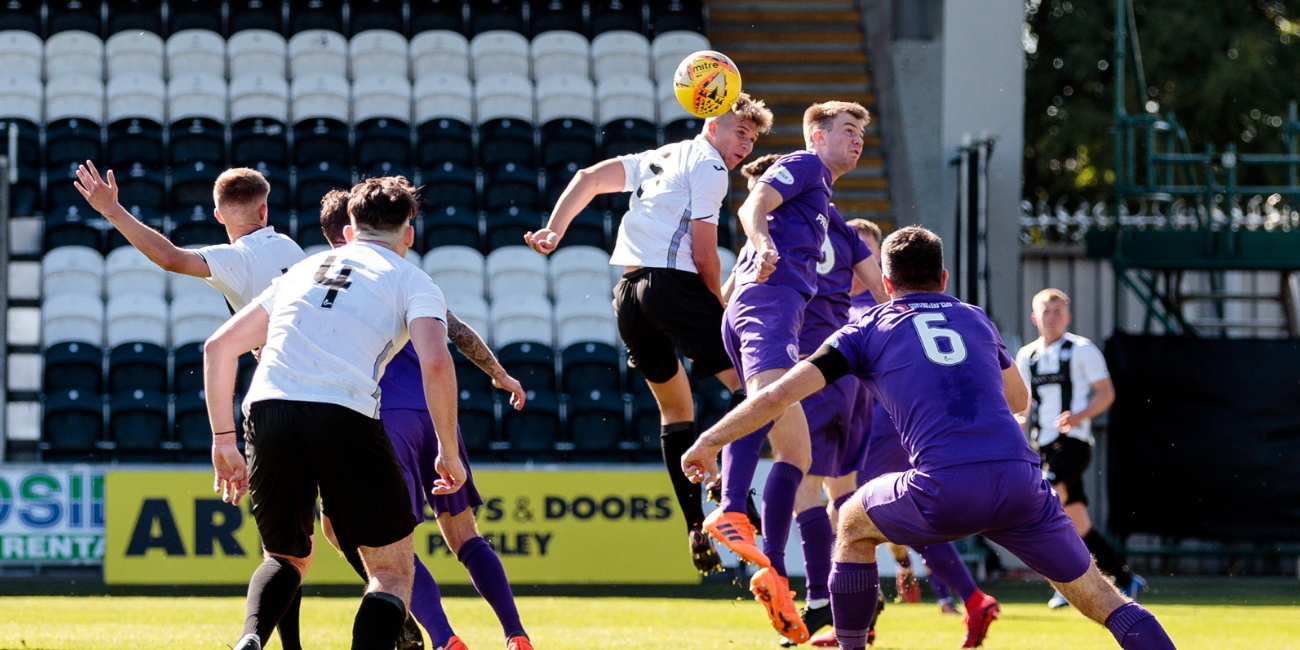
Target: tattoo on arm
x=472 y=345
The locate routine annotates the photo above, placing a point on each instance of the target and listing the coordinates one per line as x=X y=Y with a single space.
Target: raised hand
x=99 y=193
x=543 y=241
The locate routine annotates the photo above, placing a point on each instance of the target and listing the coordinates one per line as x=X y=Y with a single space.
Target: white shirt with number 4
x=1087 y=367
x=337 y=318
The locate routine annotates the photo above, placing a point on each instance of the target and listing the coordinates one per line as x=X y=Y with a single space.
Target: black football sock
x=1107 y=559
x=288 y=625
x=270 y=592
x=379 y=622
x=675 y=439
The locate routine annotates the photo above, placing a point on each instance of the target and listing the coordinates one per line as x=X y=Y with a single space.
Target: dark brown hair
x=334 y=215
x=382 y=204
x=758 y=166
x=241 y=186
x=913 y=259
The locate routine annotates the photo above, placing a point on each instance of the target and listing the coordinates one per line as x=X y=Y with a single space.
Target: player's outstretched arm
x=601 y=178
x=872 y=278
x=472 y=346
x=762 y=200
x=701 y=461
x=1013 y=386
x=101 y=194
x=243 y=332
x=439 y=373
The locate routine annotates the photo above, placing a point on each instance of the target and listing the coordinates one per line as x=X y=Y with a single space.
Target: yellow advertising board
x=548 y=526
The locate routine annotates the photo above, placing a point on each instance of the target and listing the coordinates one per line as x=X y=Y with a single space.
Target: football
x=707 y=83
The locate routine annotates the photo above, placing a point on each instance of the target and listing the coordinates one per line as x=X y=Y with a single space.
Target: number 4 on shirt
x=930 y=337
x=336 y=283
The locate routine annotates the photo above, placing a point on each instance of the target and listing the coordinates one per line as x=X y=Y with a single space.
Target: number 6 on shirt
x=930 y=340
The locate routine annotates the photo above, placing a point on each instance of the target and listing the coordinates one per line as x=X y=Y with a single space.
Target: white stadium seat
x=439 y=52
x=197 y=316
x=134 y=52
x=521 y=318
x=471 y=310
x=22 y=53
x=128 y=271
x=381 y=95
x=516 y=270
x=24 y=324
x=257 y=51
x=21 y=95
x=74 y=95
x=560 y=52
x=179 y=286
x=619 y=53
x=318 y=248
x=668 y=50
x=72 y=270
x=579 y=271
x=503 y=96
x=318 y=52
x=74 y=52
x=321 y=95
x=24 y=280
x=444 y=96
x=498 y=52
x=670 y=110
x=196 y=51
x=72 y=318
x=136 y=95
x=197 y=95
x=379 y=51
x=259 y=95
x=726 y=262
x=582 y=319
x=136 y=319
x=413 y=258
x=566 y=95
x=458 y=270
x=626 y=96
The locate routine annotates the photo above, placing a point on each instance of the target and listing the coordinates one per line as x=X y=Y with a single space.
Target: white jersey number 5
x=930 y=340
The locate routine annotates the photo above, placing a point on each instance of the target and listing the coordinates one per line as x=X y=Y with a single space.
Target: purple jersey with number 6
x=829 y=309
x=935 y=364
x=797 y=226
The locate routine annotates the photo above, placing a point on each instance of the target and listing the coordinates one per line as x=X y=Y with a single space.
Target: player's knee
x=458 y=529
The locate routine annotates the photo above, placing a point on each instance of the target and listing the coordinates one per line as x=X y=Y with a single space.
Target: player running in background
x=326 y=329
x=786 y=218
x=406 y=420
x=1070 y=386
x=669 y=298
x=939 y=367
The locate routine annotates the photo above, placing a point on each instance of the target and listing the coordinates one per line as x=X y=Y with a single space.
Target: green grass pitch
x=1237 y=618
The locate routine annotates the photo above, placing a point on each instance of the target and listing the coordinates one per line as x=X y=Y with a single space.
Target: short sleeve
x=424 y=299
x=708 y=189
x=267 y=298
x=1022 y=362
x=848 y=340
x=1004 y=357
x=1091 y=363
x=789 y=175
x=632 y=170
x=860 y=251
x=225 y=268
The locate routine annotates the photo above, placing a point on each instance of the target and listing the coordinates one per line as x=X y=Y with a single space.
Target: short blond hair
x=822 y=116
x=865 y=227
x=1048 y=295
x=241 y=186
x=752 y=110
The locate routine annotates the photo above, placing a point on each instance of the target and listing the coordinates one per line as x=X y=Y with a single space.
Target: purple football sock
x=426 y=606
x=489 y=578
x=941 y=592
x=815 y=532
x=778 y=511
x=739 y=460
x=854 y=588
x=1137 y=629
x=841 y=500
x=944 y=562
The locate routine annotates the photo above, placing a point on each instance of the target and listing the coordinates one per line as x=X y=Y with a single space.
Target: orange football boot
x=735 y=532
x=773 y=591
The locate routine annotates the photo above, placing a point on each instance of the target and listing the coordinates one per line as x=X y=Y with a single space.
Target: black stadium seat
x=135 y=140
x=506 y=227
x=375 y=14
x=506 y=140
x=476 y=415
x=627 y=136
x=197 y=227
x=81 y=15
x=192 y=186
x=315 y=180
x=315 y=14
x=590 y=366
x=444 y=140
x=71 y=226
x=596 y=422
x=278 y=177
x=192 y=431
x=259 y=139
x=568 y=140
x=193 y=14
x=557 y=179
x=23 y=15
x=256 y=14
x=612 y=15
x=151 y=218
x=197 y=139
x=59 y=189
x=137 y=366
x=533 y=431
x=319 y=140
x=135 y=15
x=636 y=383
x=714 y=398
x=25 y=195
x=468 y=376
x=510 y=184
x=451 y=225
x=427 y=15
x=672 y=15
x=489 y=15
x=29 y=140
x=74 y=422
x=138 y=422
x=309 y=232
x=381 y=140
x=449 y=184
x=646 y=426
x=683 y=129
x=71 y=140
x=244 y=377
x=187 y=368
x=74 y=366
x=533 y=364
x=388 y=169
x=556 y=15
x=586 y=229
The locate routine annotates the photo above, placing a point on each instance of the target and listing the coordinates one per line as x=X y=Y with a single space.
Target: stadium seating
x=368 y=15
x=591 y=366
x=137 y=423
x=137 y=366
x=514 y=271
x=615 y=15
x=533 y=364
x=74 y=366
x=560 y=53
x=557 y=15
x=427 y=15
x=579 y=271
x=669 y=16
x=532 y=432
x=73 y=424
x=255 y=14
x=521 y=318
x=596 y=422
x=584 y=318
x=21 y=15
x=450 y=225
x=476 y=415
x=314 y=15
x=507 y=226
x=457 y=270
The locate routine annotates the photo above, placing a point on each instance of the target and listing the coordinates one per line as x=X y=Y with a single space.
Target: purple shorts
x=760 y=328
x=884 y=448
x=416 y=445
x=859 y=430
x=1008 y=502
x=829 y=411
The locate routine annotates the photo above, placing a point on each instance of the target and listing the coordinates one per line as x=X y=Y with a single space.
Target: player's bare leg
x=1133 y=626
x=485 y=571
x=1108 y=561
x=383 y=609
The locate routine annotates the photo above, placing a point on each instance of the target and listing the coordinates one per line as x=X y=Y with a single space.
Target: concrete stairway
x=792 y=54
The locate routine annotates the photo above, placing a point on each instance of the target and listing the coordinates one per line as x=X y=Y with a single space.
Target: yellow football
x=707 y=83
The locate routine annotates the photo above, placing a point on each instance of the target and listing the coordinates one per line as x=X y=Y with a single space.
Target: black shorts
x=661 y=311
x=1064 y=461
x=297 y=448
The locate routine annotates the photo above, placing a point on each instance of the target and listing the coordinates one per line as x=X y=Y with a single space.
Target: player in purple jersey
x=786 y=218
x=406 y=420
x=939 y=368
